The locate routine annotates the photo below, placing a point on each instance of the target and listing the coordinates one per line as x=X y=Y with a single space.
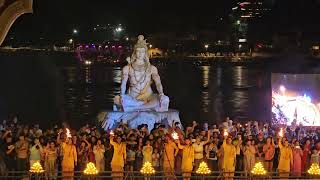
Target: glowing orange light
x=36 y=168
x=90 y=169
x=175 y=136
x=147 y=168
x=111 y=133
x=281 y=132
x=225 y=133
x=258 y=169
x=314 y=169
x=68 y=133
x=203 y=169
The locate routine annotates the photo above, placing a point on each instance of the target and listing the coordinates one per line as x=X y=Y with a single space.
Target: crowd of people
x=227 y=148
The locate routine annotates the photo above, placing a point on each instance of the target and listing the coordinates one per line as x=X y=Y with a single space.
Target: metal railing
x=135 y=175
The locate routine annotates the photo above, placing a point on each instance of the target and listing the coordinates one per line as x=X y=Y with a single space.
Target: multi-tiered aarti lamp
x=258 y=169
x=314 y=169
x=91 y=169
x=203 y=169
x=36 y=168
x=147 y=169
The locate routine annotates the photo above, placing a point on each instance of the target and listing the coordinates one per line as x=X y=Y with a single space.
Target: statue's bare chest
x=140 y=76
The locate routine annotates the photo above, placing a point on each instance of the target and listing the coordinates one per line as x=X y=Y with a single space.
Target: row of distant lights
x=100 y=47
x=118 y=29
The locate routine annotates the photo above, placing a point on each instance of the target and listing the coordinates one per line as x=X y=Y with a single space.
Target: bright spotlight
x=282 y=89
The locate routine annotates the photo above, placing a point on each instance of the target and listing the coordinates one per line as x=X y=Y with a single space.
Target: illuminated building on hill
x=244 y=11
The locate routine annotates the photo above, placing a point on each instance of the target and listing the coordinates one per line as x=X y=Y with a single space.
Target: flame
x=203 y=169
x=225 y=133
x=36 y=168
x=175 y=135
x=314 y=169
x=111 y=133
x=68 y=133
x=281 y=132
x=90 y=169
x=258 y=169
x=147 y=168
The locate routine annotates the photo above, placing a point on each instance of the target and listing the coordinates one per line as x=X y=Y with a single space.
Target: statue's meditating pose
x=141 y=74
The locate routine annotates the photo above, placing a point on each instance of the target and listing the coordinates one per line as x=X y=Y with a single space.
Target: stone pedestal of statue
x=111 y=119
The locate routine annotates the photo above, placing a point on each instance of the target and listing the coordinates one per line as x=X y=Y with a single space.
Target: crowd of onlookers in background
x=227 y=148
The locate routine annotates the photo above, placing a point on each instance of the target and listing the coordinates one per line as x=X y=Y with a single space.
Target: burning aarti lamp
x=314 y=169
x=147 y=169
x=68 y=133
x=225 y=133
x=175 y=136
x=203 y=169
x=91 y=169
x=281 y=132
x=36 y=168
x=258 y=169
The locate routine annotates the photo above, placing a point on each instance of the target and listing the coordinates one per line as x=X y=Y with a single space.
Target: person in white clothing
x=98 y=151
x=198 y=149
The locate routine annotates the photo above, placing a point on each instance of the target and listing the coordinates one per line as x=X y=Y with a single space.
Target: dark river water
x=46 y=88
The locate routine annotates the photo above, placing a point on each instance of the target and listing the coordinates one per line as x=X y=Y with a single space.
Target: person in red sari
x=297 y=156
x=306 y=156
x=269 y=151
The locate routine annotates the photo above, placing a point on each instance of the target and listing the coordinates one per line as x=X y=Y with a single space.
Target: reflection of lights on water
x=239 y=76
x=87 y=75
x=219 y=76
x=205 y=75
x=117 y=74
x=205 y=101
x=240 y=100
x=205 y=94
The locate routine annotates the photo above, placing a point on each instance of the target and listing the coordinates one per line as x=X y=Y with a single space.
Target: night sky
x=56 y=19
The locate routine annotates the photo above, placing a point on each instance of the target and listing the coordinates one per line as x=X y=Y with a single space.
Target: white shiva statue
x=140 y=74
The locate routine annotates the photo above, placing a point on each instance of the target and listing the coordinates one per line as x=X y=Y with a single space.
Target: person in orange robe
x=118 y=159
x=229 y=157
x=187 y=159
x=69 y=160
x=286 y=159
x=170 y=152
